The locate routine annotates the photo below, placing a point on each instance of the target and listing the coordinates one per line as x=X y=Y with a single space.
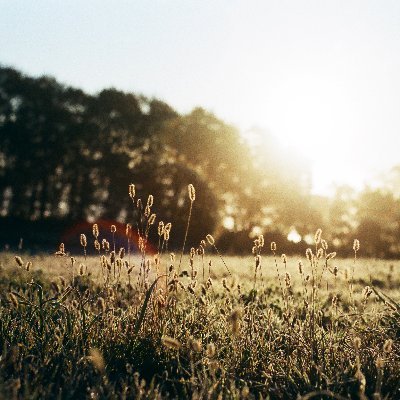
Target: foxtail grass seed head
x=320 y=253
x=379 y=363
x=214 y=365
x=97 y=245
x=121 y=253
x=141 y=244
x=224 y=284
x=166 y=235
x=196 y=345
x=152 y=219
x=357 y=343
x=273 y=246
x=13 y=299
x=61 y=249
x=210 y=240
x=200 y=250
x=317 y=237
x=139 y=204
x=309 y=254
x=170 y=342
x=300 y=265
x=210 y=351
x=128 y=229
x=367 y=291
x=150 y=201
x=95 y=231
x=356 y=245
x=387 y=346
x=101 y=304
x=160 y=229
x=192 y=252
x=97 y=359
x=261 y=240
x=245 y=392
x=258 y=261
x=284 y=258
x=331 y=255
x=234 y=319
x=168 y=227
x=335 y=270
x=28 y=265
x=113 y=229
x=132 y=191
x=81 y=269
x=324 y=244
x=19 y=261
x=192 y=193
x=83 y=240
x=288 y=280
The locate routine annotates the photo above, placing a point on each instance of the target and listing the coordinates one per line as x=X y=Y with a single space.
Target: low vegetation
x=137 y=321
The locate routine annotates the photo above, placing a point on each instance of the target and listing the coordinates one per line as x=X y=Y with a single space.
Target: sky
x=322 y=77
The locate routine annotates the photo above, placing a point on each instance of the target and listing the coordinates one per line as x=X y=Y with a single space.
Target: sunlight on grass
x=113 y=323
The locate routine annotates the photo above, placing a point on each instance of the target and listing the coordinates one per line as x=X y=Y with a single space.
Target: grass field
x=111 y=324
x=89 y=331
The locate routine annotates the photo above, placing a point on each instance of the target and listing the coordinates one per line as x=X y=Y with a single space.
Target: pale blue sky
x=321 y=76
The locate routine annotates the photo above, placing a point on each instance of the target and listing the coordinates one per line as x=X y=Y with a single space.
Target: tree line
x=67 y=156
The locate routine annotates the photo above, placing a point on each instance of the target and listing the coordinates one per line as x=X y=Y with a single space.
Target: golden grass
x=112 y=324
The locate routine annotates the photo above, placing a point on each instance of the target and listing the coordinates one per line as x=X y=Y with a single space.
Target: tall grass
x=113 y=324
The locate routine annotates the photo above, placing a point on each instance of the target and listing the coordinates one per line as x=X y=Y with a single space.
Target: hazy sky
x=321 y=76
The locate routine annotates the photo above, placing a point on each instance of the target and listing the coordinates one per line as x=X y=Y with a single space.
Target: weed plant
x=133 y=326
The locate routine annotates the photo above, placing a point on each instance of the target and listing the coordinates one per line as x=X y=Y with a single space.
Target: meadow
x=130 y=323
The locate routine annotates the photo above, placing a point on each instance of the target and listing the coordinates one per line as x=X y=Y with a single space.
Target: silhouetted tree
x=379 y=223
x=69 y=155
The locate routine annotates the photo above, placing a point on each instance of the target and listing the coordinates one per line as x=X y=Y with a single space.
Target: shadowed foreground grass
x=118 y=325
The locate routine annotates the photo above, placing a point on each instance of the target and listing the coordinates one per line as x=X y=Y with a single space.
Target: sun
x=314 y=118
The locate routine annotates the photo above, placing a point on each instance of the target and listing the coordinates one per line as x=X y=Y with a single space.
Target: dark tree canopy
x=69 y=156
